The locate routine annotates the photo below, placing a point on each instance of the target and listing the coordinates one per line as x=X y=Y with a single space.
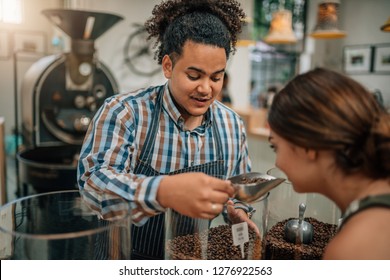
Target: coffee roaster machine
x=59 y=96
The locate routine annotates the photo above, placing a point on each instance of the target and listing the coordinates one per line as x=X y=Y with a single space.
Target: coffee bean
x=246 y=180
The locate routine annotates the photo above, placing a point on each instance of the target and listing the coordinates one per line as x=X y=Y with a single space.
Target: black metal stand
x=16 y=131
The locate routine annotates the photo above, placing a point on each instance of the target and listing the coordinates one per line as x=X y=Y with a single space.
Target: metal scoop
x=250 y=192
x=299 y=231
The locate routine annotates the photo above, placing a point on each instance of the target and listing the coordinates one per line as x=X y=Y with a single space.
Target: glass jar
x=61 y=226
x=200 y=239
x=322 y=213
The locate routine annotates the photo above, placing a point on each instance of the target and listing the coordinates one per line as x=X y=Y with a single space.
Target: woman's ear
x=167 y=66
x=311 y=154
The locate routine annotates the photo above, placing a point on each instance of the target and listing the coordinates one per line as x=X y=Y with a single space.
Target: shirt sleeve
x=104 y=164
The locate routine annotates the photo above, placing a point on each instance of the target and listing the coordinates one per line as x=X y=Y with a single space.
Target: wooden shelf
x=255 y=121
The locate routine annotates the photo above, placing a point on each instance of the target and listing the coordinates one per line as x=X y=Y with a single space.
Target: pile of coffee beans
x=246 y=180
x=277 y=248
x=219 y=242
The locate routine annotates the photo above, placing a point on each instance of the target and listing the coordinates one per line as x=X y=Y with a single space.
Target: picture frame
x=29 y=44
x=27 y=41
x=382 y=59
x=4 y=45
x=358 y=59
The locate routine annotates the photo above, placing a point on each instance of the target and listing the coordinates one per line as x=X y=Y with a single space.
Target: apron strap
x=152 y=132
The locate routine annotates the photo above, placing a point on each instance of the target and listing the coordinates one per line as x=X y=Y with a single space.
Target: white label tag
x=240 y=235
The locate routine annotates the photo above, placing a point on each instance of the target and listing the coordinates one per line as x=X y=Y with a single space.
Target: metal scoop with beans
x=253 y=186
x=299 y=231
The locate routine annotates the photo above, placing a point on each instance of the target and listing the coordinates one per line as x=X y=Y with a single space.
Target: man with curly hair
x=173 y=146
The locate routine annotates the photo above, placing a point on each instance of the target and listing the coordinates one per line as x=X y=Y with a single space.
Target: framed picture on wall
x=382 y=59
x=29 y=41
x=29 y=44
x=358 y=59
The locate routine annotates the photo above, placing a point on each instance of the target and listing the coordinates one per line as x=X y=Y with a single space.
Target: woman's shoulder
x=366 y=235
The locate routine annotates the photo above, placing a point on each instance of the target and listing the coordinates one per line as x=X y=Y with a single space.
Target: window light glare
x=11 y=11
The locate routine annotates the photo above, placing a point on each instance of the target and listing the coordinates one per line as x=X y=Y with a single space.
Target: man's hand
x=238 y=216
x=196 y=195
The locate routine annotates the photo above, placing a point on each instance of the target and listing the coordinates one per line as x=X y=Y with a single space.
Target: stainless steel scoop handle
x=302 y=209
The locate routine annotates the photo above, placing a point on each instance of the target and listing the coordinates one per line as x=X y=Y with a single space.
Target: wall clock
x=139 y=53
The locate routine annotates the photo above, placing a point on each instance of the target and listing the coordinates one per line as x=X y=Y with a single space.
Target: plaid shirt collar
x=170 y=107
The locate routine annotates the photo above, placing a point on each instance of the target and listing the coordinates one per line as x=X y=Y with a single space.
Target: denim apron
x=148 y=240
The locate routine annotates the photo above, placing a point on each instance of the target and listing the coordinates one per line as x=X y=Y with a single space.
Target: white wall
x=239 y=68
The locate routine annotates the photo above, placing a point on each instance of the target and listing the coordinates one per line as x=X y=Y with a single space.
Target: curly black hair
x=210 y=22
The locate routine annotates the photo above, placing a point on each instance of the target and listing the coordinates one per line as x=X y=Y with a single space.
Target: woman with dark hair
x=172 y=146
x=332 y=137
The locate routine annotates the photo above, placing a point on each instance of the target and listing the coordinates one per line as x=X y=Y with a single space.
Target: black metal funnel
x=81 y=25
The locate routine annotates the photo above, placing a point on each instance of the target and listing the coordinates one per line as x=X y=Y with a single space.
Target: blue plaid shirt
x=116 y=136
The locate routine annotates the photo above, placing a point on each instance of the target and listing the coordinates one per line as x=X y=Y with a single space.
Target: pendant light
x=386 y=26
x=281 y=31
x=327 y=21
